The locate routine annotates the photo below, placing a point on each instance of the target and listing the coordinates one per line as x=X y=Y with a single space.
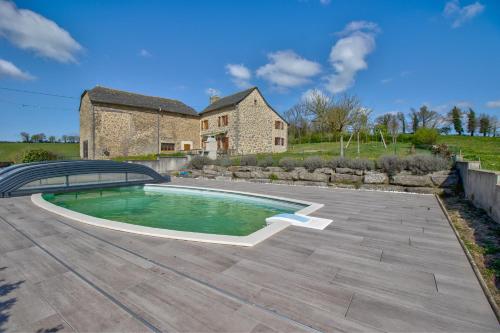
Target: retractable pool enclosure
x=60 y=176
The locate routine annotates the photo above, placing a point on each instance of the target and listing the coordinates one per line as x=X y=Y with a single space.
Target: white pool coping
x=250 y=240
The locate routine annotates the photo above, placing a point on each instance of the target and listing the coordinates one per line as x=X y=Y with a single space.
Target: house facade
x=244 y=123
x=117 y=123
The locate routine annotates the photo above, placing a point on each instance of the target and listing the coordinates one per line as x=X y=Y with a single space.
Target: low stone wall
x=164 y=165
x=481 y=187
x=437 y=182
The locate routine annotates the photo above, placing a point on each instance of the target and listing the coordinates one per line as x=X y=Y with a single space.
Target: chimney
x=214 y=99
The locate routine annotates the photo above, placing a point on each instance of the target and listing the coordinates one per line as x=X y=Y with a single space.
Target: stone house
x=118 y=123
x=244 y=123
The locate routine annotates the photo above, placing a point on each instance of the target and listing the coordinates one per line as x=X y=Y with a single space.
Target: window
x=204 y=124
x=279 y=125
x=282 y=141
x=167 y=146
x=279 y=141
x=86 y=149
x=223 y=120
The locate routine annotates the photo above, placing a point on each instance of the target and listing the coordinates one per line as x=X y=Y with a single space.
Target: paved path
x=388 y=262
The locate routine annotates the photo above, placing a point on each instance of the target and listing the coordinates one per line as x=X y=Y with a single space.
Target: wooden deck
x=388 y=262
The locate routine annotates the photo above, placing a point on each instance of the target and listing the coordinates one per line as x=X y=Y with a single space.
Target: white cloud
x=325 y=2
x=493 y=104
x=31 y=31
x=356 y=26
x=287 y=69
x=145 y=53
x=240 y=74
x=348 y=55
x=212 y=92
x=386 y=80
x=460 y=15
x=310 y=93
x=8 y=69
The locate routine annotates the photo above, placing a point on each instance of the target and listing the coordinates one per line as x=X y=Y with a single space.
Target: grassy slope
x=10 y=150
x=473 y=148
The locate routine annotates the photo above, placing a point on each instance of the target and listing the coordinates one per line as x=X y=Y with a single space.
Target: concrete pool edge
x=249 y=240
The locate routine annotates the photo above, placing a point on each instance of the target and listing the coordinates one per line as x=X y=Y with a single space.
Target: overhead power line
x=24 y=105
x=37 y=93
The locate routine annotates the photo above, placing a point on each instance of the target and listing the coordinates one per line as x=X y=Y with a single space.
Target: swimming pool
x=178 y=212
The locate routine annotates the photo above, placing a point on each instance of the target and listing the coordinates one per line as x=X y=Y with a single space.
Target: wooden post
x=383 y=140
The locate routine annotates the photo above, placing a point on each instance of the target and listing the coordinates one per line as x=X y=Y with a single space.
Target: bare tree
x=360 y=123
x=297 y=118
x=393 y=128
x=52 y=139
x=341 y=114
x=428 y=118
x=25 y=137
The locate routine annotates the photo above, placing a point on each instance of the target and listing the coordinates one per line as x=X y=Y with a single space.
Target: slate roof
x=111 y=96
x=234 y=99
x=230 y=100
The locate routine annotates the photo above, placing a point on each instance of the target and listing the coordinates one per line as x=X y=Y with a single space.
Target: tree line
x=324 y=115
x=41 y=137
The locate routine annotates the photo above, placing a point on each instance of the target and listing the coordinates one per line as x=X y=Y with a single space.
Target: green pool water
x=177 y=209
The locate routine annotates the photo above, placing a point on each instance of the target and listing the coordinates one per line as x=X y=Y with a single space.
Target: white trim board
x=250 y=240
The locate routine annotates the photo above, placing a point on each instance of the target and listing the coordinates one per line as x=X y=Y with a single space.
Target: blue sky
x=392 y=54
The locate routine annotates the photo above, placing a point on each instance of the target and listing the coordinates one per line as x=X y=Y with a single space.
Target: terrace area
x=388 y=262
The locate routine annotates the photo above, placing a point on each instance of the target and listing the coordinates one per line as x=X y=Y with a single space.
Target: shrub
x=38 y=155
x=197 y=162
x=362 y=164
x=266 y=162
x=425 y=136
x=338 y=162
x=390 y=164
x=288 y=163
x=273 y=177
x=313 y=163
x=424 y=164
x=223 y=161
x=249 y=160
x=441 y=150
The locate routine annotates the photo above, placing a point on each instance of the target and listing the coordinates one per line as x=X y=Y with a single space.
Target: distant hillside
x=10 y=151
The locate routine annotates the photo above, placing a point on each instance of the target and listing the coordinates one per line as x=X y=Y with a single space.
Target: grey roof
x=230 y=100
x=234 y=99
x=111 y=96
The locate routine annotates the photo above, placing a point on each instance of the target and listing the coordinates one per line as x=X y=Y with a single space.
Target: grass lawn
x=473 y=148
x=10 y=151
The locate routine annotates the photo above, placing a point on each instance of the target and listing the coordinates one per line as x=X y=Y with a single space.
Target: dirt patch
x=481 y=236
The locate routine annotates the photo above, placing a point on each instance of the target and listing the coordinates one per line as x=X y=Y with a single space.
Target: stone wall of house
x=256 y=126
x=125 y=131
x=86 y=125
x=231 y=130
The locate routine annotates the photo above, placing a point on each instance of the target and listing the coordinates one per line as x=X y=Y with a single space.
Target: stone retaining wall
x=437 y=182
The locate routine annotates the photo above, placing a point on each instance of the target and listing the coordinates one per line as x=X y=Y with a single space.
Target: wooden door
x=187 y=146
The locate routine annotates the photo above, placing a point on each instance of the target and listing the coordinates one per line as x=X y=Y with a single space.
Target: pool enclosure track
x=13 y=178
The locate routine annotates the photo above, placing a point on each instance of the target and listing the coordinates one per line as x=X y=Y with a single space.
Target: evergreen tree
x=484 y=124
x=456 y=119
x=471 y=122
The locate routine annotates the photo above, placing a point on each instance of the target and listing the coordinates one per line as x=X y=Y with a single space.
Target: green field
x=476 y=148
x=486 y=149
x=12 y=151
